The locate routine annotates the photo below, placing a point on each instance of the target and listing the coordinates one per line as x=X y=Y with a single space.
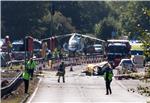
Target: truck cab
x=117 y=50
x=18 y=50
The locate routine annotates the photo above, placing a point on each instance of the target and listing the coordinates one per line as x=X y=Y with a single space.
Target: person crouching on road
x=61 y=72
x=26 y=77
x=32 y=65
x=108 y=74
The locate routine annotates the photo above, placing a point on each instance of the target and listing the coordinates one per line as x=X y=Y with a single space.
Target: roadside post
x=28 y=42
x=25 y=53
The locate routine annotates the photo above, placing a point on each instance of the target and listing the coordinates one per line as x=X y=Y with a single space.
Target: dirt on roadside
x=18 y=95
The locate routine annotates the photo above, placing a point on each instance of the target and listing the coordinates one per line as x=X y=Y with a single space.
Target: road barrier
x=78 y=61
x=14 y=84
x=15 y=62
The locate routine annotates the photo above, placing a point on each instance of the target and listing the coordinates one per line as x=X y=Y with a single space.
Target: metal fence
x=77 y=61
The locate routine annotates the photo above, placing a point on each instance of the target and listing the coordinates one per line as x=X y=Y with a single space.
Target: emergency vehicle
x=117 y=50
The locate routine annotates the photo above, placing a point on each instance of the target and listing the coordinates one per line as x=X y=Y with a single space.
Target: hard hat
x=34 y=57
x=7 y=36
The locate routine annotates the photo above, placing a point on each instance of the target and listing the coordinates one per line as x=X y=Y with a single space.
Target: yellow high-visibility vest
x=110 y=75
x=26 y=75
x=31 y=65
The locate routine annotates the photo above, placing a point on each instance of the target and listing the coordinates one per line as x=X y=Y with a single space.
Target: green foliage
x=99 y=18
x=144 y=37
x=97 y=29
x=62 y=25
x=23 y=18
x=105 y=28
x=130 y=14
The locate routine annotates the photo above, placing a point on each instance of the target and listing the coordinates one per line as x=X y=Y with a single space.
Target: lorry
x=137 y=54
x=117 y=50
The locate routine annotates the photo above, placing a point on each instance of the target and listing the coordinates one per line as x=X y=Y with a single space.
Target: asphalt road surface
x=81 y=89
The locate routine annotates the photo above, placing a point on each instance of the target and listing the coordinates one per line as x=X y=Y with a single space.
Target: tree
x=106 y=26
x=132 y=15
x=62 y=24
x=22 y=18
x=84 y=15
x=99 y=18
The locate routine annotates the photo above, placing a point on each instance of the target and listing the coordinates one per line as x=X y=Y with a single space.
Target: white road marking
x=32 y=96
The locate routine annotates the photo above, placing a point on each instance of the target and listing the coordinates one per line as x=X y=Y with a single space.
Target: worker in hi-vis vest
x=108 y=74
x=61 y=72
x=31 y=65
x=26 y=77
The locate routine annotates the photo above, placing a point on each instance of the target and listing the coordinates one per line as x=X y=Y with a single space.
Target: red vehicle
x=117 y=50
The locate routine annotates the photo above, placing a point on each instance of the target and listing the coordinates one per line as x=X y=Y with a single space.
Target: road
x=80 y=88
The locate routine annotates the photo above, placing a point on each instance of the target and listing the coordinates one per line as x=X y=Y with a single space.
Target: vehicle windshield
x=18 y=47
x=117 y=49
x=37 y=45
x=97 y=46
x=76 y=37
x=136 y=52
x=127 y=62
